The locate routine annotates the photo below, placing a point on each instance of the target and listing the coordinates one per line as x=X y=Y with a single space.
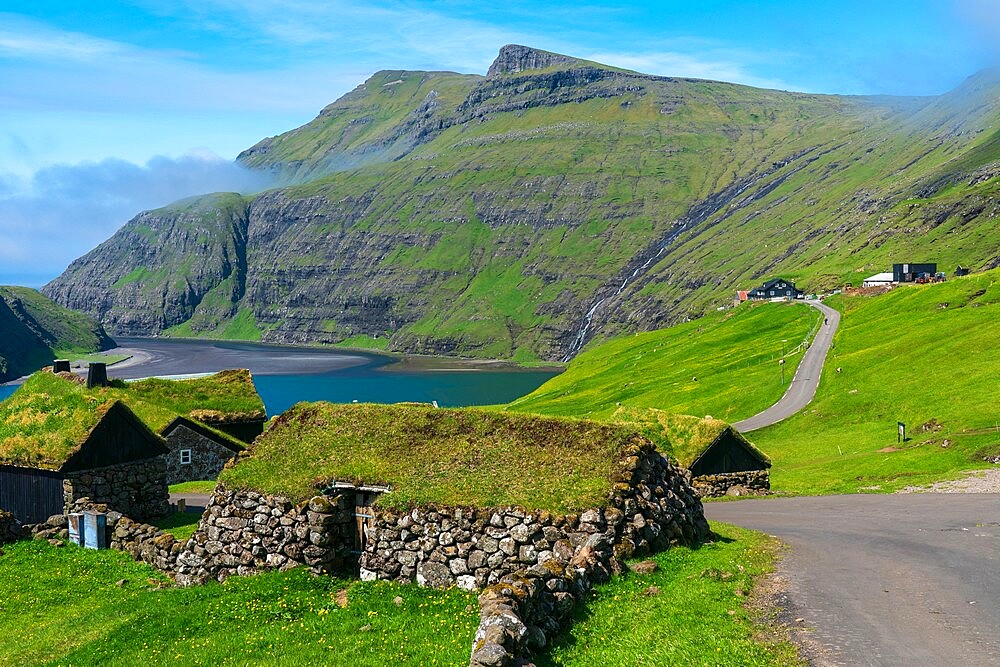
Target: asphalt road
x=886 y=580
x=806 y=379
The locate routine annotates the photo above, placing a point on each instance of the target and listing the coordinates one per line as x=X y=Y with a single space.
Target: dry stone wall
x=137 y=489
x=651 y=507
x=245 y=532
x=746 y=483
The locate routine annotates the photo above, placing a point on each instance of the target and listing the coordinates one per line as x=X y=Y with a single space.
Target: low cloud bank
x=63 y=211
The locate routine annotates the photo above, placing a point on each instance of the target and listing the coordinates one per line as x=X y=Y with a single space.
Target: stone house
x=196 y=451
x=440 y=497
x=58 y=445
x=719 y=458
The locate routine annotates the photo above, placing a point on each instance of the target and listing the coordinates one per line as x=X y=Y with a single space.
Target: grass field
x=724 y=364
x=924 y=355
x=71 y=606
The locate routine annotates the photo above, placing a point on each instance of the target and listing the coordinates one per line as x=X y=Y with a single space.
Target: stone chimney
x=97 y=374
x=60 y=366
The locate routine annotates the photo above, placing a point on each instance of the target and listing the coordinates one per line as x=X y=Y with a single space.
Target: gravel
x=983 y=481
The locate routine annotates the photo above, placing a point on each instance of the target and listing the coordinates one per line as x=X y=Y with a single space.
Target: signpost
x=782 y=361
x=901 y=431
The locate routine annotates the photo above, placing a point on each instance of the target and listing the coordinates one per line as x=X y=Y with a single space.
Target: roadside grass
x=63 y=606
x=179 y=524
x=699 y=614
x=724 y=364
x=466 y=457
x=924 y=355
x=76 y=606
x=197 y=486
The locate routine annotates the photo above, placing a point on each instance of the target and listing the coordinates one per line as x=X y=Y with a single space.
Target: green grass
x=179 y=524
x=364 y=342
x=724 y=365
x=198 y=486
x=921 y=354
x=465 y=457
x=698 y=617
x=63 y=606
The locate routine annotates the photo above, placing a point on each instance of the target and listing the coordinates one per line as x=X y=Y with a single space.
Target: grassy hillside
x=34 y=330
x=924 y=355
x=487 y=216
x=460 y=458
x=724 y=365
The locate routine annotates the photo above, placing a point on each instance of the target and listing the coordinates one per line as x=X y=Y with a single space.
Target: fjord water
x=286 y=375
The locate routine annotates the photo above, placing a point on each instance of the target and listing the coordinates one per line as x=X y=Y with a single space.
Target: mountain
x=34 y=331
x=553 y=201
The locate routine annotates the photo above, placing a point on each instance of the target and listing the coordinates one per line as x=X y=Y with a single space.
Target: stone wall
x=10 y=529
x=138 y=489
x=746 y=483
x=651 y=507
x=244 y=532
x=207 y=456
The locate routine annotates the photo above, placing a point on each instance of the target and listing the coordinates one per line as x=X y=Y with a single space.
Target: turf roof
x=683 y=437
x=458 y=457
x=47 y=419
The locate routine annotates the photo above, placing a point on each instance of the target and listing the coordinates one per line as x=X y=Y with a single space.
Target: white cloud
x=21 y=38
x=63 y=211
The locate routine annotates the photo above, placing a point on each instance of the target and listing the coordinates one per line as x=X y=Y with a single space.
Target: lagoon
x=285 y=375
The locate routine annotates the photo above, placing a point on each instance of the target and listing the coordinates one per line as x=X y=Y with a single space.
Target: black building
x=908 y=273
x=775 y=288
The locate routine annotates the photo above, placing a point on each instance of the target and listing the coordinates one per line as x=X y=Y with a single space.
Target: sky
x=112 y=107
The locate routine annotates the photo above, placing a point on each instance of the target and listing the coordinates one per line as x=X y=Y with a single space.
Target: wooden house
x=720 y=459
x=58 y=444
x=776 y=288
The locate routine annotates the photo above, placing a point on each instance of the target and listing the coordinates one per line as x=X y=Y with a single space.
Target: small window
x=772 y=292
x=185 y=456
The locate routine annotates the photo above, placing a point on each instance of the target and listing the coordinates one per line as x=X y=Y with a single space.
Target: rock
x=645 y=567
x=434 y=575
x=398 y=601
x=341 y=598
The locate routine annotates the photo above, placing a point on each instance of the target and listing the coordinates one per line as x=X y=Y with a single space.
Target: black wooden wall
x=29 y=494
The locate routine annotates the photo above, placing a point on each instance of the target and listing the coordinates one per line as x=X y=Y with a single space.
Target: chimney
x=97 y=374
x=60 y=366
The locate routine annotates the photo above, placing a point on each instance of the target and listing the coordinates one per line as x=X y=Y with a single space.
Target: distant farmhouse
x=776 y=288
x=720 y=459
x=911 y=273
x=119 y=445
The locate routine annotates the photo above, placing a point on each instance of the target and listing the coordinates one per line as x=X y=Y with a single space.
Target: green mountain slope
x=34 y=331
x=924 y=355
x=723 y=364
x=554 y=201
x=920 y=354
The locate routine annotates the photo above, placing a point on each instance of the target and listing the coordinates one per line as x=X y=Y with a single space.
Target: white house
x=878 y=280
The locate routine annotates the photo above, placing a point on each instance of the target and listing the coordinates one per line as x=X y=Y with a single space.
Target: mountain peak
x=515 y=58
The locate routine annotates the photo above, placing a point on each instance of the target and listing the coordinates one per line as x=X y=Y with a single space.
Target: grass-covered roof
x=46 y=420
x=683 y=437
x=463 y=457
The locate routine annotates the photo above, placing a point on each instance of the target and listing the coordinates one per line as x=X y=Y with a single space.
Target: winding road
x=886 y=579
x=806 y=379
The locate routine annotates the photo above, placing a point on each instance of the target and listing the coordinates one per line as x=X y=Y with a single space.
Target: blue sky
x=107 y=108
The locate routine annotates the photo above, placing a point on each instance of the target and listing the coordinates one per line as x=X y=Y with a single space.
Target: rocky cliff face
x=515 y=58
x=524 y=213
